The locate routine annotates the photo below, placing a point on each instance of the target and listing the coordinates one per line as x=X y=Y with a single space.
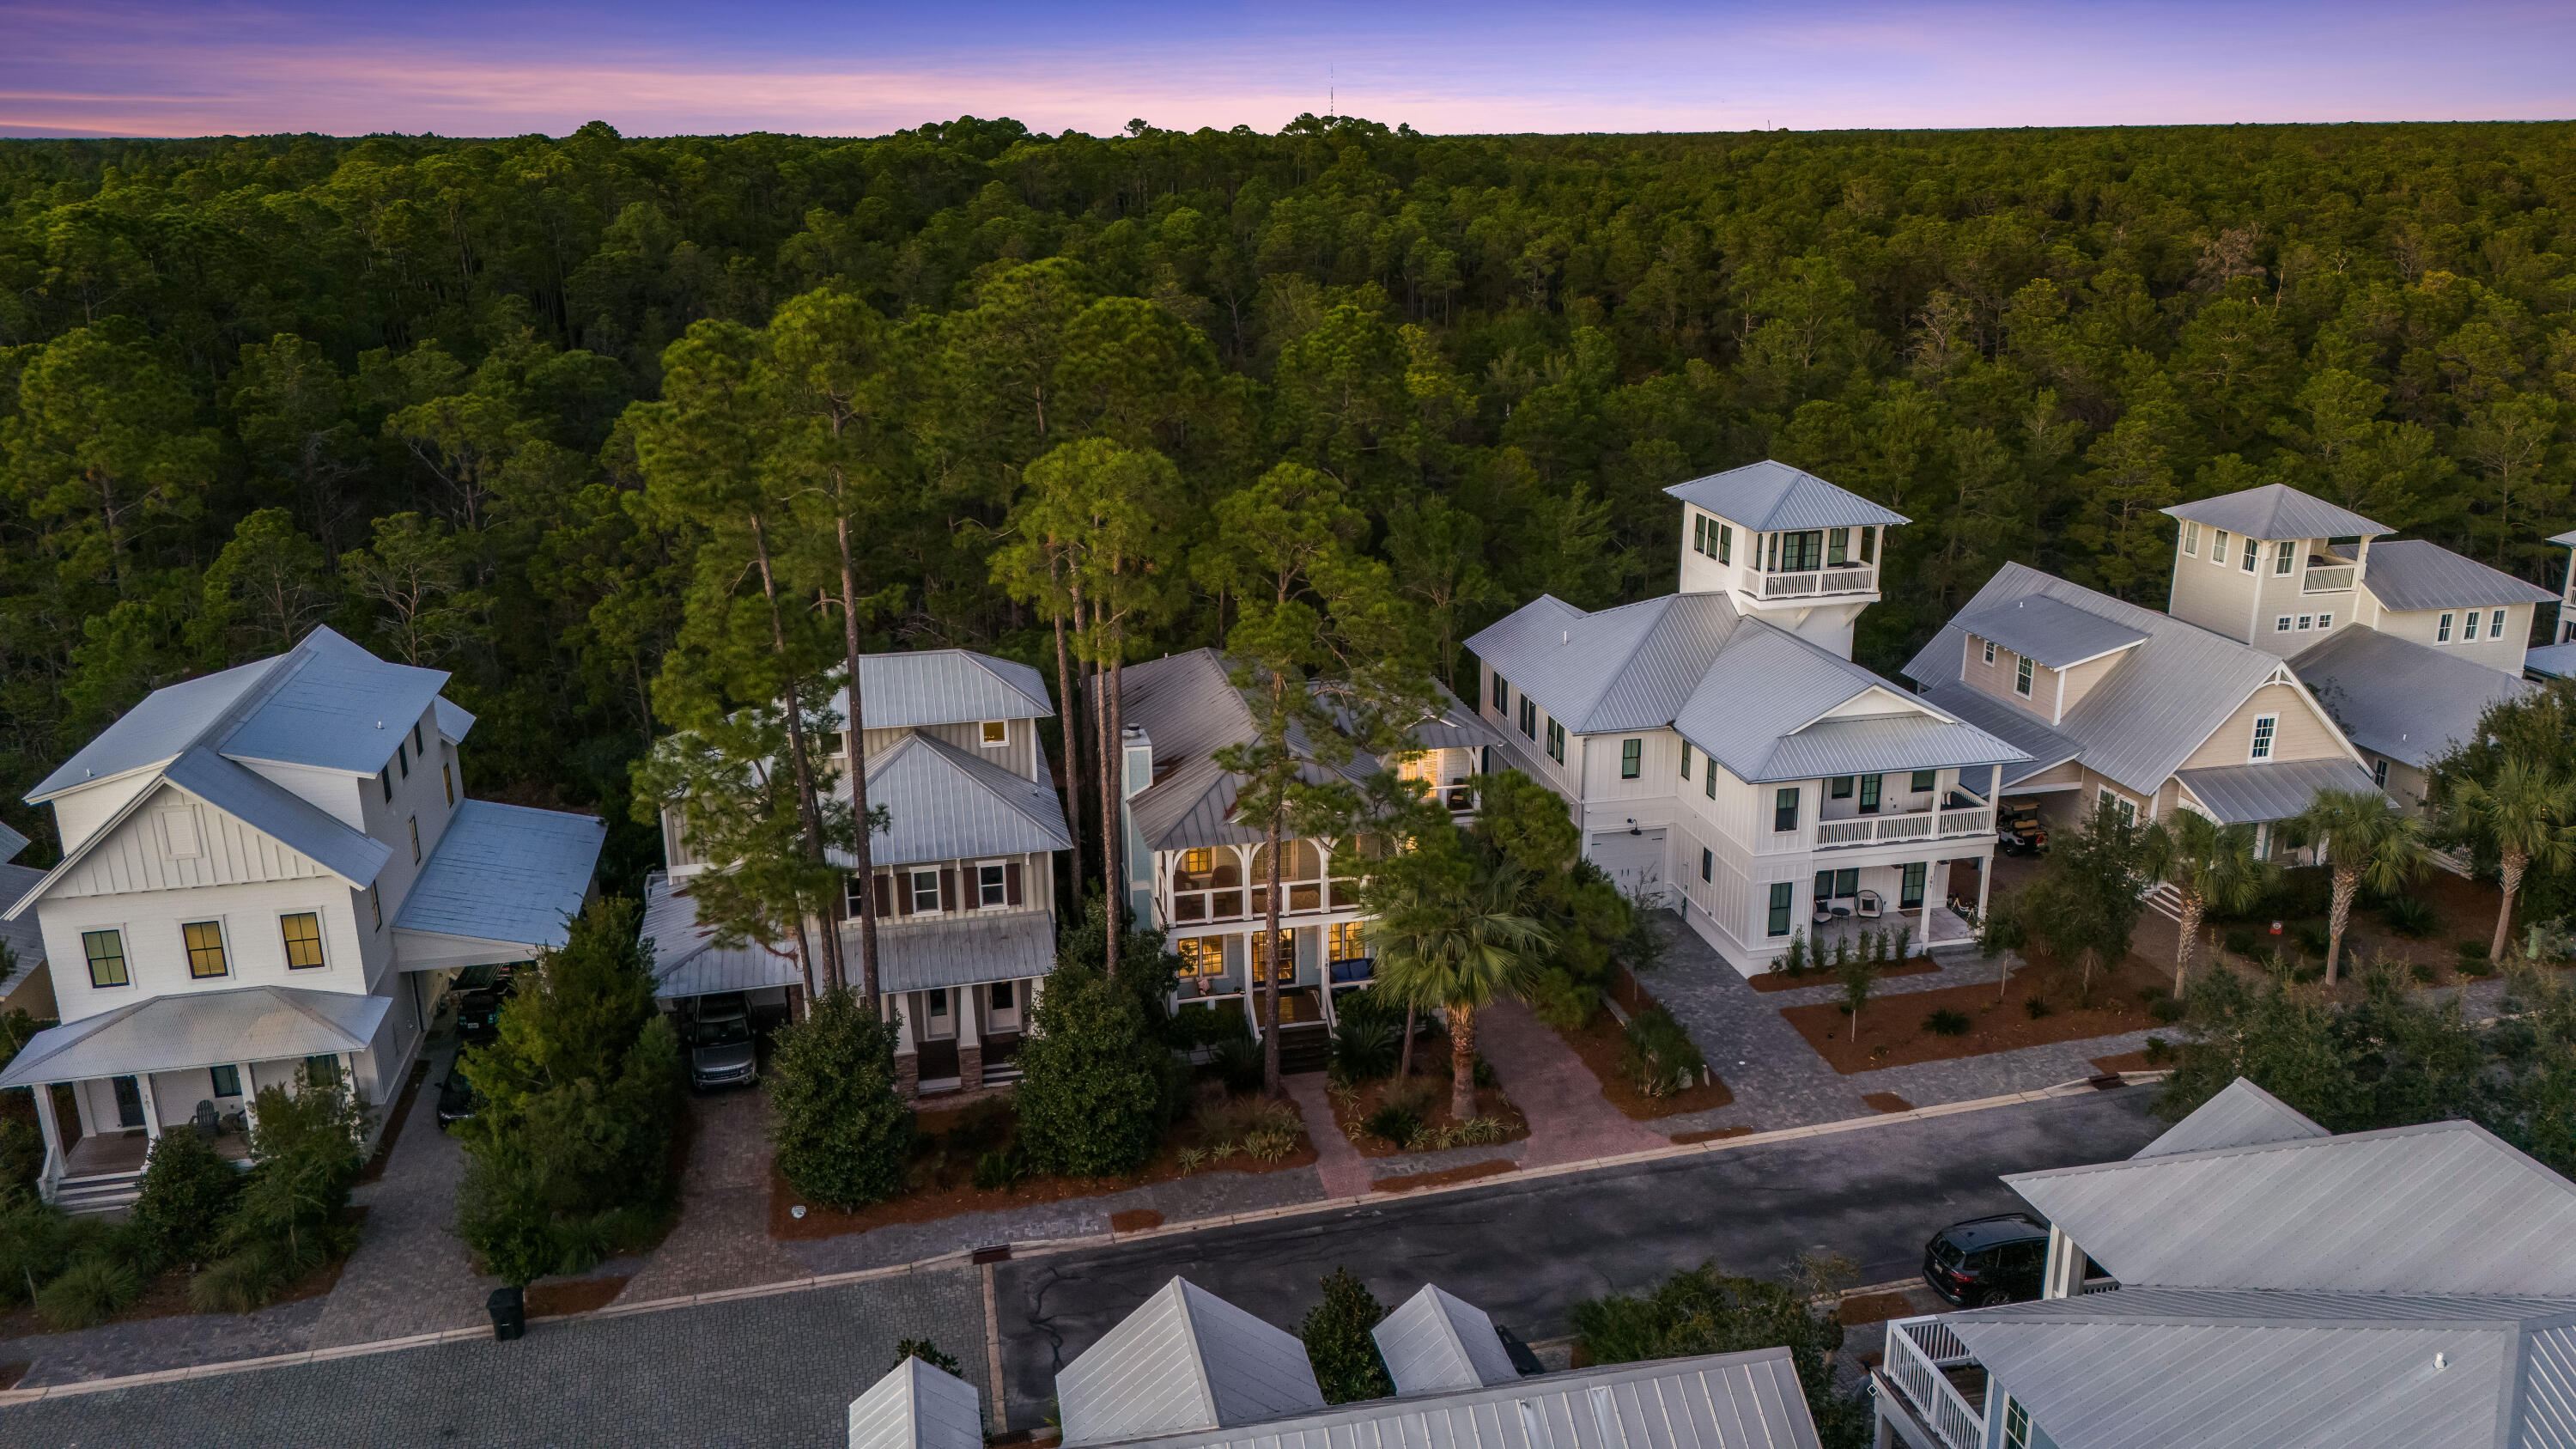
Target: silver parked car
x=722 y=1052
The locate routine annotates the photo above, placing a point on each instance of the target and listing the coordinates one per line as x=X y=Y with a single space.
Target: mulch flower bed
x=1824 y=975
x=946 y=1189
x=1135 y=1220
x=1713 y=1134
x=1600 y=1043
x=1892 y=1032
x=2124 y=1062
x=1428 y=1095
x=573 y=1295
x=1415 y=1181
x=1885 y=1102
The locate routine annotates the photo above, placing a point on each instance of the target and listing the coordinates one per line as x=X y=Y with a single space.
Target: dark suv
x=1986 y=1261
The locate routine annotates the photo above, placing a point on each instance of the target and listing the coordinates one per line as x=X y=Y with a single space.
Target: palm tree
x=2528 y=814
x=1459 y=947
x=2368 y=841
x=2210 y=866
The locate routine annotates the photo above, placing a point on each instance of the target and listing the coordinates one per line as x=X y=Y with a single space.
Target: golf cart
x=2018 y=830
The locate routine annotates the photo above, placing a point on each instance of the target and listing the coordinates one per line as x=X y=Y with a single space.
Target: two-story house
x=1721 y=752
x=1201 y=875
x=268 y=874
x=963 y=874
x=2270 y=1284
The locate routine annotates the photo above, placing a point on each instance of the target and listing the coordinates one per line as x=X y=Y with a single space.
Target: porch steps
x=102 y=1192
x=2165 y=901
x=1305 y=1048
x=1001 y=1074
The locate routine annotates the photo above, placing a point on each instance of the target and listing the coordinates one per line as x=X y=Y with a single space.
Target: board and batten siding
x=175 y=841
x=156 y=955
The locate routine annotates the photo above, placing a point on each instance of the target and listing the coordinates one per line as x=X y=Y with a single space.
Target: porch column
x=970 y=1036
x=53 y=1134
x=250 y=1097
x=907 y=1056
x=1985 y=879
x=151 y=1108
x=1924 y=933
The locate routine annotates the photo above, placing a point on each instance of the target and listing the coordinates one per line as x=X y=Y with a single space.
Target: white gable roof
x=1185 y=1361
x=1770 y=495
x=1439 y=1343
x=916 y=1406
x=2241 y=1115
x=943 y=686
x=943 y=803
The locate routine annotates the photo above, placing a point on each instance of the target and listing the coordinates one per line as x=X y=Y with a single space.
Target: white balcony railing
x=2327 y=580
x=1819 y=581
x=1917 y=825
x=1918 y=1352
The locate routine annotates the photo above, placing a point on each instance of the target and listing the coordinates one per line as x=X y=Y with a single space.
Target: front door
x=938 y=1023
x=129 y=1102
x=1005 y=1005
x=1912 y=891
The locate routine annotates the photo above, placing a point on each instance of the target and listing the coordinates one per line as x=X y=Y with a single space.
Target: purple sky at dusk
x=164 y=68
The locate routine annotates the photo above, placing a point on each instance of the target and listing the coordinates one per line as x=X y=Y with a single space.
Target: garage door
x=1634 y=862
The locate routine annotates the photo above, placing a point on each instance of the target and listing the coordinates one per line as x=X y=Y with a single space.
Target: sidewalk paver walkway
x=1338 y=1164
x=1569 y=1119
x=410 y=1274
x=722 y=1240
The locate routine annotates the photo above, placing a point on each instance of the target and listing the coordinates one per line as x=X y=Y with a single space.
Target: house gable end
x=172 y=840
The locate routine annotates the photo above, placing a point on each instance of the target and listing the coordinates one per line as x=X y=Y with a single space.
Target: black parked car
x=1986 y=1261
x=457 y=1099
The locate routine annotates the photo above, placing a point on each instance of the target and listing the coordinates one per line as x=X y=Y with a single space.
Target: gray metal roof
x=1722 y=1401
x=2347 y=1213
x=2568 y=538
x=2015 y=726
x=1629 y=668
x=506 y=873
x=2402 y=699
x=192 y=1029
x=958 y=950
x=2143 y=1369
x=169 y=720
x=2157 y=705
x=266 y=806
x=1184 y=1362
x=2412 y=573
x=335 y=707
x=2276 y=511
x=453 y=721
x=11 y=842
x=944 y=803
x=1769 y=496
x=2241 y=1115
x=24 y=935
x=2049 y=629
x=1439 y=1343
x=1880 y=744
x=688 y=962
x=943 y=686
x=2554 y=661
x=916 y=1406
x=2252 y=794
x=1773 y=730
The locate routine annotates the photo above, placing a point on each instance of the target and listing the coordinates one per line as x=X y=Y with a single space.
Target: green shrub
x=2423 y=973
x=2036 y=1007
x=928 y=1352
x=1796 y=961
x=1364 y=1041
x=2240 y=942
x=841 y=1131
x=188 y=1189
x=37 y=1240
x=1208 y=1023
x=1703 y=1311
x=89 y=1292
x=2312 y=938
x=2167 y=1010
x=1393 y=1122
x=1947 y=1022
x=2406 y=916
x=1658 y=1057
x=1563 y=1002
x=2159 y=1051
x=1001 y=1170
x=1238 y=1064
x=1338 y=1343
x=1097 y=1085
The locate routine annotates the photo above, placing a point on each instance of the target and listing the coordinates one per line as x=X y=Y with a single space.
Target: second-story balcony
x=1224 y=883
x=1938 y=1380
x=1960 y=815
x=1817 y=583
x=2327 y=578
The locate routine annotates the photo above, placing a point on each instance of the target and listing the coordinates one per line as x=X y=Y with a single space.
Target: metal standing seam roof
x=24 y=935
x=2276 y=511
x=1758 y=708
x=2398 y=698
x=1628 y=668
x=2352 y=1213
x=1881 y=744
x=943 y=803
x=261 y=804
x=2015 y=726
x=335 y=707
x=1722 y=1401
x=1771 y=496
x=167 y=722
x=2240 y=1115
x=192 y=1029
x=506 y=873
x=965 y=949
x=2049 y=629
x=916 y=1406
x=2554 y=661
x=2157 y=704
x=11 y=842
x=2412 y=573
x=453 y=721
x=2567 y=539
x=1440 y=1343
x=943 y=686
x=1184 y=1362
x=2147 y=1368
x=688 y=962
x=2253 y=794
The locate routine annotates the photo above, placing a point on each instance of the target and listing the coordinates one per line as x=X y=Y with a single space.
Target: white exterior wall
x=156 y=957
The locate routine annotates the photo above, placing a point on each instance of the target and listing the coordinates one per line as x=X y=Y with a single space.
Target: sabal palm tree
x=2528 y=815
x=2210 y=866
x=1460 y=946
x=2368 y=841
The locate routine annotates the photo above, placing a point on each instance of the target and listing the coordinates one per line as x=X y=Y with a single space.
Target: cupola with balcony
x=2264 y=566
x=1785 y=546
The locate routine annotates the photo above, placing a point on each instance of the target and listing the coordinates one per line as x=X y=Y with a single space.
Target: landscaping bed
x=1712 y=1134
x=942 y=1170
x=1416 y=1181
x=1602 y=1042
x=1893 y=1034
x=572 y=1295
x=1824 y=976
x=1357 y=1112
x=166 y=1296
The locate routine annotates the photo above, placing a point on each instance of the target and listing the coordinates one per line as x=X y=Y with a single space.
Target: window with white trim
x=2442 y=630
x=2251 y=548
x=1990 y=651
x=2379 y=773
x=1699 y=533
x=2281 y=625
x=2307 y=622
x=2283 y=555
x=2191 y=538
x=994 y=732
x=2495 y=624
x=1707 y=864
x=1502 y=694
x=1556 y=741
x=2325 y=621
x=2265 y=726
x=1725 y=544
x=1632 y=758
x=1686 y=759
x=2218 y=548
x=924 y=885
x=992 y=885
x=2021 y=677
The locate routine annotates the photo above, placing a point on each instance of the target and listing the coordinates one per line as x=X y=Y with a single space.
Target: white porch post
x=151 y=1107
x=53 y=1134
x=1924 y=933
x=1985 y=880
x=250 y=1097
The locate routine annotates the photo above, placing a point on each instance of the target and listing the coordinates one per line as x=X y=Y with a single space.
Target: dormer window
x=995 y=733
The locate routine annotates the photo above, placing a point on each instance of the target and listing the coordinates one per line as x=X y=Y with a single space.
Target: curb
x=1045 y=1247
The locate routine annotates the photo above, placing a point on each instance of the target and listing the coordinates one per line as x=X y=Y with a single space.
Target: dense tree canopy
x=247 y=384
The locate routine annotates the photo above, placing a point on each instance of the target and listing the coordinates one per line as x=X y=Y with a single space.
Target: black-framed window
x=1784 y=894
x=1925 y=780
x=2379 y=773
x=1725 y=544
x=1707 y=863
x=1910 y=895
x=303 y=934
x=106 y=952
x=1529 y=717
x=1837 y=546
x=1556 y=741
x=205 y=942
x=417 y=747
x=376 y=907
x=2021 y=677
x=223 y=1081
x=402 y=758
x=1686 y=759
x=1502 y=693
x=447 y=777
x=322 y=1071
x=1868 y=538
x=1870 y=788
x=1839 y=787
x=1699 y=534
x=1712 y=777
x=1838 y=885
x=415 y=840
x=1784 y=809
x=385 y=780
x=1800 y=552
x=1632 y=759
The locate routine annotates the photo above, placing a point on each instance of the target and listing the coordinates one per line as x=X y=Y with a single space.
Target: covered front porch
x=963 y=990
x=1928 y=898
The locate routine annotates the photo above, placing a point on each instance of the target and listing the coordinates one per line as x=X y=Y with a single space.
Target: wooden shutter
x=947 y=888
x=903 y=893
x=1011 y=883
x=974 y=897
x=885 y=896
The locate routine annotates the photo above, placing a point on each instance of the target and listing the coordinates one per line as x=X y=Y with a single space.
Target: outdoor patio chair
x=1824 y=915
x=207 y=1121
x=1869 y=905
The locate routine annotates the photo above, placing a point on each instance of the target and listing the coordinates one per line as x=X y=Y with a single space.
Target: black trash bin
x=509 y=1314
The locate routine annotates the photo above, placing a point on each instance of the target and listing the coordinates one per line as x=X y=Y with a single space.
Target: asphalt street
x=780 y=1371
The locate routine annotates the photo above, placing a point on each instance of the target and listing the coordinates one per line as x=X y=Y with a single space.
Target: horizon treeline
x=249 y=385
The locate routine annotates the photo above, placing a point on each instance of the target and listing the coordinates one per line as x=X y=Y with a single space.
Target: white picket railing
x=1849 y=581
x=2326 y=580
x=1967 y=822
x=1918 y=1349
x=1789 y=586
x=1819 y=581
x=1917 y=825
